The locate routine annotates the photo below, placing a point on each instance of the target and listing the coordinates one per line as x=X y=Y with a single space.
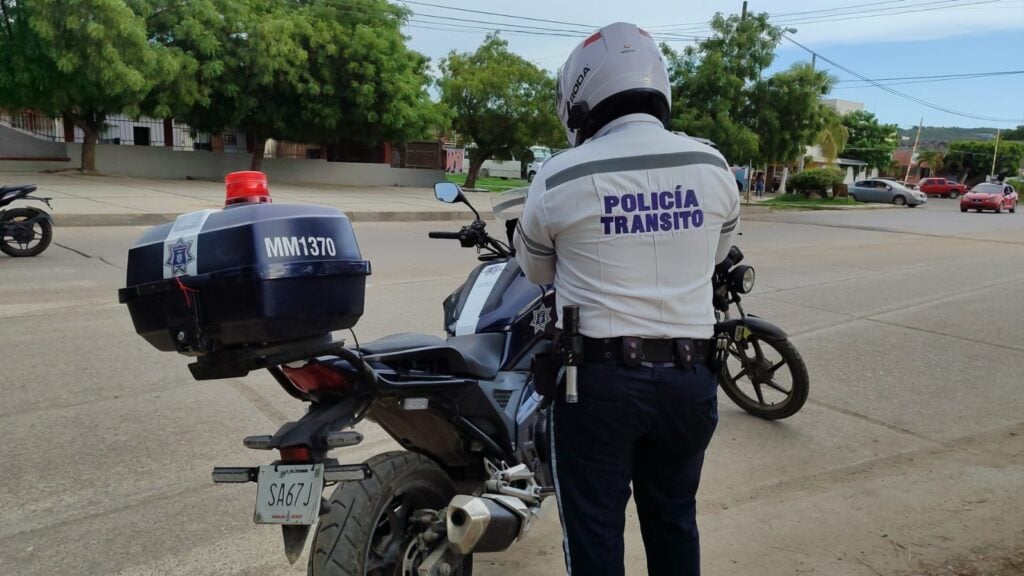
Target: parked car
x=943 y=187
x=900 y=182
x=990 y=196
x=886 y=192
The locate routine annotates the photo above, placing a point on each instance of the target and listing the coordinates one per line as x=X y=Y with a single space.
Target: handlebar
x=475 y=236
x=445 y=235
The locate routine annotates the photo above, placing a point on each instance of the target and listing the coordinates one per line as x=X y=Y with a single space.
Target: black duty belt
x=632 y=351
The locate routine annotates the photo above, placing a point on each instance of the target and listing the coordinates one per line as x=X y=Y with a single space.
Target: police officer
x=628 y=224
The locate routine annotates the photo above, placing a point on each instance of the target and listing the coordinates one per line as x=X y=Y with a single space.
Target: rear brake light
x=313 y=377
x=296 y=454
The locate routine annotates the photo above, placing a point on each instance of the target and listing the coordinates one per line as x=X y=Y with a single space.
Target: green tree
x=869 y=141
x=788 y=114
x=499 y=100
x=935 y=160
x=1015 y=134
x=895 y=169
x=833 y=136
x=712 y=82
x=312 y=71
x=87 y=60
x=817 y=181
x=972 y=161
x=719 y=93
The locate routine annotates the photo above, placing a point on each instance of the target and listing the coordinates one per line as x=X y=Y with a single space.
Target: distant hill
x=949 y=134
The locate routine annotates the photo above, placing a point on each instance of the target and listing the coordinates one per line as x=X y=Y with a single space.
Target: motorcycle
x=24 y=231
x=476 y=464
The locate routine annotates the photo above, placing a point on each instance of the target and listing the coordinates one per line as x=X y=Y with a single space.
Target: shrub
x=820 y=180
x=1017 y=183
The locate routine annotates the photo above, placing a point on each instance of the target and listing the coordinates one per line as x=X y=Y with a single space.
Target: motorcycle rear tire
x=46 y=233
x=358 y=515
x=800 y=384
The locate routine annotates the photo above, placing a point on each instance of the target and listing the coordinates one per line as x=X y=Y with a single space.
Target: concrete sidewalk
x=81 y=200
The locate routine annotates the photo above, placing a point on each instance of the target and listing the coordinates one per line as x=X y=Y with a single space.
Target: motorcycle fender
x=759 y=327
x=37 y=213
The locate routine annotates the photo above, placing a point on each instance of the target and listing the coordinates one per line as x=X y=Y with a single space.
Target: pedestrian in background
x=759 y=185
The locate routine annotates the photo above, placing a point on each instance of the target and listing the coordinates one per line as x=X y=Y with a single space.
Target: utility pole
x=814 y=60
x=996 y=153
x=913 y=151
x=743 y=15
x=750 y=175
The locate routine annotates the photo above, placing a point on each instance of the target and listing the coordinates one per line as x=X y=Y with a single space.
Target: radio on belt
x=572 y=351
x=254 y=274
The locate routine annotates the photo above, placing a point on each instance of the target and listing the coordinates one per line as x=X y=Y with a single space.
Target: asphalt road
x=910 y=451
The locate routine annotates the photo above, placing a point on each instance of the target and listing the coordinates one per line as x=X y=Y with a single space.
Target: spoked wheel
x=22 y=237
x=767 y=378
x=372 y=527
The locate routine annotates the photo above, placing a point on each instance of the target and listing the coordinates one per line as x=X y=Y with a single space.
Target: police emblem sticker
x=179 y=256
x=541 y=318
x=181 y=247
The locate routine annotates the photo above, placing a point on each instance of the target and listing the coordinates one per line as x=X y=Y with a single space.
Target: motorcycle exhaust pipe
x=484 y=524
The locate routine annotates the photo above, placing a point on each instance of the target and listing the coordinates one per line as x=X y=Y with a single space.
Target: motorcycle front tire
x=352 y=537
x=46 y=234
x=800 y=384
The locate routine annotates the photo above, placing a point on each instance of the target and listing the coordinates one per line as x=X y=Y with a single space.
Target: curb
x=97 y=220
x=156 y=219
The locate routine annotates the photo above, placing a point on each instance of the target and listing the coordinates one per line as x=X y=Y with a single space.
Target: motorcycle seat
x=475 y=355
x=7 y=192
x=400 y=342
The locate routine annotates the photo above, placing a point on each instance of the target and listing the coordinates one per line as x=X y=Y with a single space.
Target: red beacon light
x=246 y=188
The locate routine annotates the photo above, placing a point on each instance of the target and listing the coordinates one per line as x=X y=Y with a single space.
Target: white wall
x=17 y=144
x=161 y=162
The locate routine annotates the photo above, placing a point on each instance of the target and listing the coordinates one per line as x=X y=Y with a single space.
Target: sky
x=873 y=38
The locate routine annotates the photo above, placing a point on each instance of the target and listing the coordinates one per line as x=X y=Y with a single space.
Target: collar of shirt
x=628 y=121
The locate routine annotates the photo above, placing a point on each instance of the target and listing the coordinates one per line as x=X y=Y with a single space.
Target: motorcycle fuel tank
x=494 y=297
x=252 y=274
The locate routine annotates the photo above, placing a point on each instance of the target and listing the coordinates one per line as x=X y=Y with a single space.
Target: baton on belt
x=572 y=347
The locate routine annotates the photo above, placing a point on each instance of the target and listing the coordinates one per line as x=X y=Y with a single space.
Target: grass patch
x=801 y=201
x=491 y=184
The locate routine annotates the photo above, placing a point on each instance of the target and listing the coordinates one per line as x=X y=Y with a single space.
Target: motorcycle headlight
x=741 y=279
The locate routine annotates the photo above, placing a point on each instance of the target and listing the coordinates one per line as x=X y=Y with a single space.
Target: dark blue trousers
x=648 y=426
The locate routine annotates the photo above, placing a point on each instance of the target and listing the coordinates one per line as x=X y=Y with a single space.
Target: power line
x=781 y=14
x=499 y=14
x=944 y=76
x=902 y=94
x=925 y=79
x=422 y=21
x=930 y=6
x=416 y=23
x=876 y=15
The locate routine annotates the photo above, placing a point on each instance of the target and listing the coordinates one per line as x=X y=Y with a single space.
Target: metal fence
x=124 y=131
x=119 y=130
x=39 y=125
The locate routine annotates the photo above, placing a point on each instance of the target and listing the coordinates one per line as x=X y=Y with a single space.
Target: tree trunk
x=769 y=179
x=474 y=169
x=91 y=126
x=257 y=153
x=92 y=135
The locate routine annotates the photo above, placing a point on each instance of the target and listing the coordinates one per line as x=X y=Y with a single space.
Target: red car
x=990 y=196
x=941 y=187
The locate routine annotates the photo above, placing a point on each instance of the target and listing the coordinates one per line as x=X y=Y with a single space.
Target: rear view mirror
x=887 y=187
x=447 y=192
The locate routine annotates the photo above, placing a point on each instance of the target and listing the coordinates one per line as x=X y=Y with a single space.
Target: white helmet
x=617 y=71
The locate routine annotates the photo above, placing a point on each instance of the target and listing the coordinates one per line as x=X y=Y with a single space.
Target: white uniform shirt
x=629 y=227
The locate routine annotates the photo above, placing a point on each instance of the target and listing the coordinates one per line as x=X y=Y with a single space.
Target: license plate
x=289 y=494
